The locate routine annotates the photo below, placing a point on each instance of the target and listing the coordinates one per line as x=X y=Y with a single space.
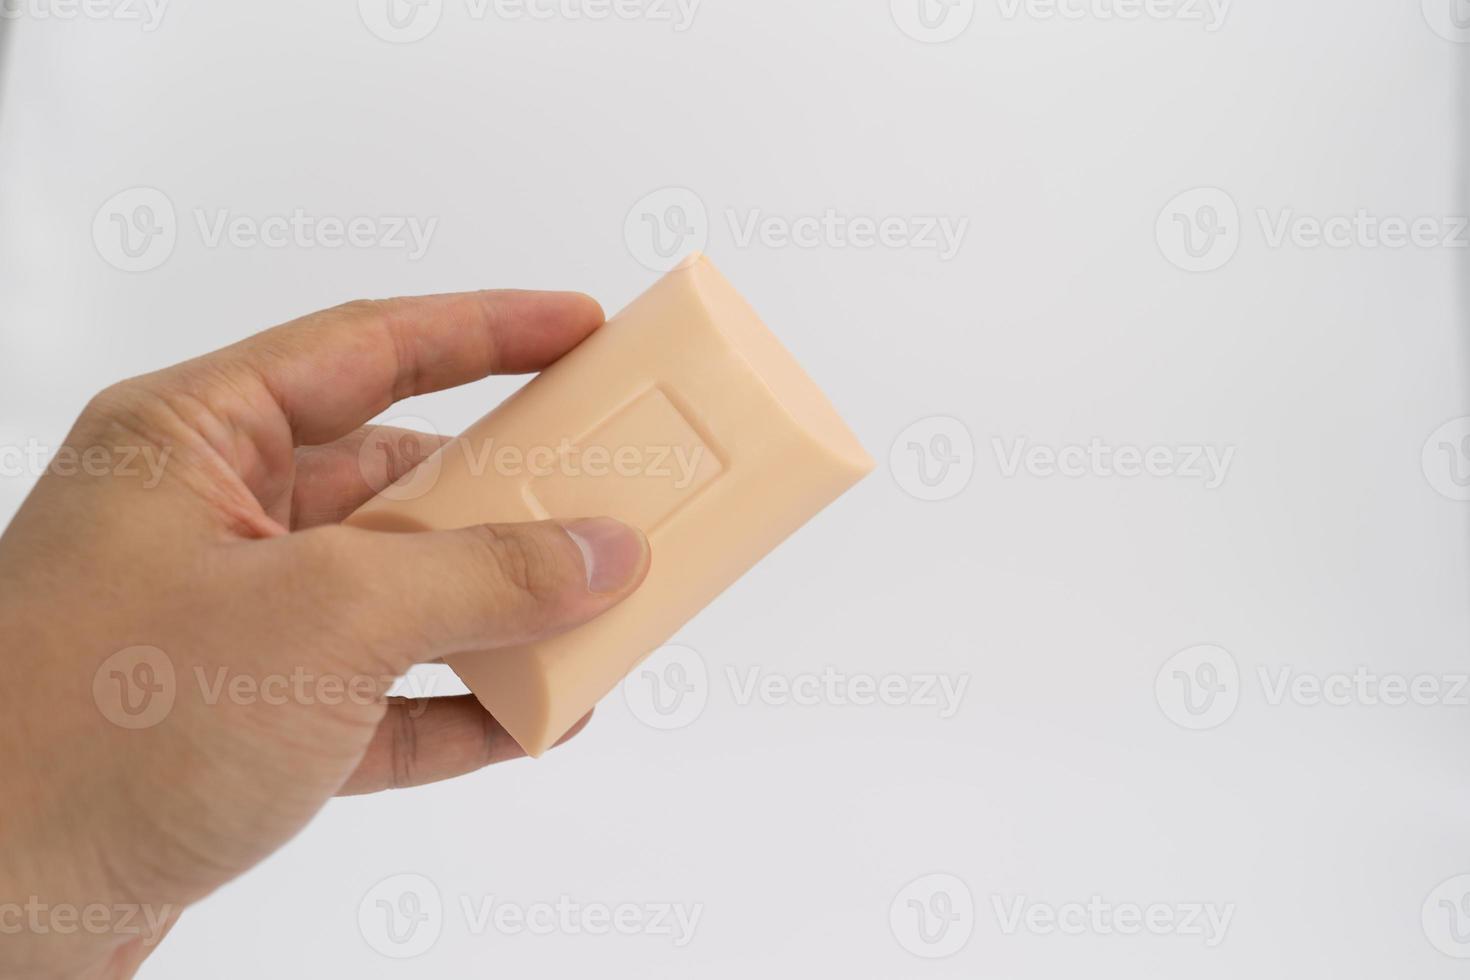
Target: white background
x=1064 y=317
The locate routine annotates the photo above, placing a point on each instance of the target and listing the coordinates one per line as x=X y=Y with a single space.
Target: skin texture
x=231 y=566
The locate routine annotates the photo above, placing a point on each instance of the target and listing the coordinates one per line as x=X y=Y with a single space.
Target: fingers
x=414 y=597
x=232 y=419
x=334 y=480
x=333 y=371
x=427 y=740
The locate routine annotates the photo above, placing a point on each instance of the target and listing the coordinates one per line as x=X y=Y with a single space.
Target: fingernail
x=612 y=552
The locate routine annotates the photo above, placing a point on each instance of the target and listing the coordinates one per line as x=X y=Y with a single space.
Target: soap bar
x=682 y=415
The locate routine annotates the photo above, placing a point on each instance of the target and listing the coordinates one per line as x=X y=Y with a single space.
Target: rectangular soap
x=682 y=415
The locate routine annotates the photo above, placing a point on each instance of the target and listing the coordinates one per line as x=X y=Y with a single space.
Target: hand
x=186 y=539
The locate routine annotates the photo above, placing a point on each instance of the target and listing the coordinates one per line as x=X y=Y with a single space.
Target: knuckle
x=521 y=562
x=114 y=399
x=127 y=402
x=132 y=412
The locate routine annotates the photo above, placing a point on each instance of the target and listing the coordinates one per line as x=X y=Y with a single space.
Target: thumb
x=418 y=596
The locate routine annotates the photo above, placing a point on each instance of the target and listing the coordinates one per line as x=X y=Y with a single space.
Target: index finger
x=330 y=372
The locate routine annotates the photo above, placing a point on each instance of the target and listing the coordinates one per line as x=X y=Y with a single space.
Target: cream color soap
x=682 y=415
